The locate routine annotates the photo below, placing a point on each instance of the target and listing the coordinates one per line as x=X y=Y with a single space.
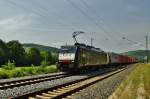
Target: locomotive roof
x=88 y=47
x=84 y=46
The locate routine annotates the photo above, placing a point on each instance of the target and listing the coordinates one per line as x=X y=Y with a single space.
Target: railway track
x=70 y=88
x=30 y=80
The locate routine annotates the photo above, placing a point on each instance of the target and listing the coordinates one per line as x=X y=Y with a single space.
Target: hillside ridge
x=41 y=47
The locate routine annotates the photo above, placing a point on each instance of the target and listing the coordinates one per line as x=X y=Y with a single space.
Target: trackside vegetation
x=12 y=72
x=136 y=86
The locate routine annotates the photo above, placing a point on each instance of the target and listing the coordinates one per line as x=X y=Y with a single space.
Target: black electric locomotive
x=81 y=56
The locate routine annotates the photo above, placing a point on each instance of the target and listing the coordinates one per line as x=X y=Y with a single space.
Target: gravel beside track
x=22 y=90
x=103 y=89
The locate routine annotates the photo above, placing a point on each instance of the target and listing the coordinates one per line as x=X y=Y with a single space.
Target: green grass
x=27 y=71
x=136 y=86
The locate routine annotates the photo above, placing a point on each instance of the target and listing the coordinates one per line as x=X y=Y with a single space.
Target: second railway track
x=26 y=81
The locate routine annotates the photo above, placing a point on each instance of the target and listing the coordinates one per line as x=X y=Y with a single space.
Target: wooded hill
x=140 y=54
x=41 y=47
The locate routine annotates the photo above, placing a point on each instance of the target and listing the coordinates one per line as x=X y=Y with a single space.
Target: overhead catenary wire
x=102 y=20
x=27 y=9
x=60 y=17
x=35 y=3
x=35 y=12
x=85 y=14
x=48 y=11
x=53 y=12
x=90 y=18
x=42 y=15
x=94 y=13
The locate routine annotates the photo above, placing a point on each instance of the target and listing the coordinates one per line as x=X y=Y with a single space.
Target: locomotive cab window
x=68 y=49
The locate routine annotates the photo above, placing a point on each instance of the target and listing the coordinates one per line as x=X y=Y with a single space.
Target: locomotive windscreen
x=68 y=49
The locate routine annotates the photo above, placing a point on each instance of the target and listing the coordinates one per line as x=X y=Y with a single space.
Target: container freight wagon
x=123 y=59
x=113 y=58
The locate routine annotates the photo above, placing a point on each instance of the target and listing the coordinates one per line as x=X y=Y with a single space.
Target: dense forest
x=14 y=52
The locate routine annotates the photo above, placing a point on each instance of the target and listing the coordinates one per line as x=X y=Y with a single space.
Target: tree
x=16 y=52
x=34 y=56
x=3 y=52
x=46 y=56
x=54 y=58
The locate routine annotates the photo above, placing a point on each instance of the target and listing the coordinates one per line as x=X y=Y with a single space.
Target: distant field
x=137 y=85
x=27 y=71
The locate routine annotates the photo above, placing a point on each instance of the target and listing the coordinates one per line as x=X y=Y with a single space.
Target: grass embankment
x=136 y=86
x=27 y=71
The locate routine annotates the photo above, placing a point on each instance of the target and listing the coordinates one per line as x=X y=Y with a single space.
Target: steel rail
x=64 y=91
x=26 y=81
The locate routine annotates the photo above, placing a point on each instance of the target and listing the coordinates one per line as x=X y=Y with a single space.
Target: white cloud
x=16 y=22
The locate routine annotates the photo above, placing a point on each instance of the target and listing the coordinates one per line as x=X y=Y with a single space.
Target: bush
x=32 y=70
x=52 y=69
x=44 y=63
x=18 y=73
x=3 y=74
x=9 y=65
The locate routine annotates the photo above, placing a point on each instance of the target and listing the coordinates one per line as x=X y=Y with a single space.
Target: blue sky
x=52 y=22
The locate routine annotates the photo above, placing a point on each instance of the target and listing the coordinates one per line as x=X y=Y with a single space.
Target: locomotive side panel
x=91 y=58
x=103 y=58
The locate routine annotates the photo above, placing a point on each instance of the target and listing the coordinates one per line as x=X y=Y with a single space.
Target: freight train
x=80 y=56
